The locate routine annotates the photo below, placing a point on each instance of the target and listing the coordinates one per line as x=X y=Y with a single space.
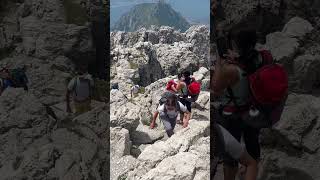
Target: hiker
x=5 y=81
x=134 y=90
x=81 y=88
x=15 y=78
x=172 y=84
x=114 y=87
x=245 y=86
x=169 y=112
x=226 y=145
x=190 y=90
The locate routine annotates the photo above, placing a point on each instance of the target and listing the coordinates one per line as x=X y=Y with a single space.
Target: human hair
x=186 y=75
x=246 y=40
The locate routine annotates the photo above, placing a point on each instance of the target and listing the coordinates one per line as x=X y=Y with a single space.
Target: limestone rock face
x=39 y=139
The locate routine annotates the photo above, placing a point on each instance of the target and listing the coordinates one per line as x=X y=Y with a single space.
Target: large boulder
x=164 y=151
x=292 y=145
x=306 y=73
x=120 y=143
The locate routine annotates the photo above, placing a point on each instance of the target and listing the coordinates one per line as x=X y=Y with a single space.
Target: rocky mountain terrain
x=150 y=58
x=146 y=14
x=39 y=140
x=291 y=31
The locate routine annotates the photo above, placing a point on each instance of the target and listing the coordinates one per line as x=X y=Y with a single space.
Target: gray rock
x=297 y=27
x=119 y=142
x=306 y=72
x=282 y=47
x=144 y=135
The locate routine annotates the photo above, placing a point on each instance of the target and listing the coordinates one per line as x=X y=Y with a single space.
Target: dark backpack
x=268 y=92
x=163 y=100
x=82 y=89
x=19 y=78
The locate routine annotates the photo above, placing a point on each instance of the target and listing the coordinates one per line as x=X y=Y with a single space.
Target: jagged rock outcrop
x=48 y=147
x=291 y=145
x=39 y=139
x=137 y=60
x=150 y=58
x=152 y=161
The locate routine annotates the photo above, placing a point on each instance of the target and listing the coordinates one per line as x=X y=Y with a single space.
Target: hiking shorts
x=186 y=103
x=237 y=128
x=226 y=144
x=169 y=124
x=82 y=107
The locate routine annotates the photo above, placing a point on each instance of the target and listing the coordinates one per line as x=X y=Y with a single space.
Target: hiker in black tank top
x=231 y=85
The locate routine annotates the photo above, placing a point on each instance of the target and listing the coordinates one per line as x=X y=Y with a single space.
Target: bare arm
x=180 y=86
x=173 y=88
x=225 y=75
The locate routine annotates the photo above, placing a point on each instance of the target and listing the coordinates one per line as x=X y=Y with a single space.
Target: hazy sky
x=198 y=10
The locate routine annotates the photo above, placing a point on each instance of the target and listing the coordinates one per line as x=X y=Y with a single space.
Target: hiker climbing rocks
x=5 y=81
x=134 y=90
x=190 y=90
x=81 y=88
x=226 y=145
x=252 y=89
x=169 y=112
x=114 y=87
x=15 y=78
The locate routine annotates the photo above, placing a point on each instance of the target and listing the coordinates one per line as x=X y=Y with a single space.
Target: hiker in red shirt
x=252 y=91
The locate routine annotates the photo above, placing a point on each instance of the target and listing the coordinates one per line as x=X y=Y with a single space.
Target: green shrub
x=133 y=65
x=142 y=90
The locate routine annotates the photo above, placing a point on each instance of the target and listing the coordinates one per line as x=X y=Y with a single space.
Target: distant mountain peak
x=147 y=14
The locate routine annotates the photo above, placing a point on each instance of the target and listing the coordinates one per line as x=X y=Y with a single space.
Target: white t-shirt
x=135 y=89
x=173 y=114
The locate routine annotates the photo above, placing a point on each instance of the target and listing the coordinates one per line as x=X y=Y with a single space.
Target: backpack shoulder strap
x=1 y=83
x=232 y=97
x=75 y=84
x=178 y=106
x=266 y=57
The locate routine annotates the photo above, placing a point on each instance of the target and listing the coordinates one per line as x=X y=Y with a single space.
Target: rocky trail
x=150 y=58
x=290 y=148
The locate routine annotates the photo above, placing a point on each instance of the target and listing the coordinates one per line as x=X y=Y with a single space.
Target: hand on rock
x=185 y=124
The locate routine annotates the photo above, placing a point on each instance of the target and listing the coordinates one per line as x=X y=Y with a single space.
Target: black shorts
x=186 y=103
x=237 y=128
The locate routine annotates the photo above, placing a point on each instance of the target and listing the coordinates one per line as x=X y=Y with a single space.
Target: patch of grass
x=123 y=177
x=146 y=121
x=142 y=90
x=133 y=65
x=75 y=13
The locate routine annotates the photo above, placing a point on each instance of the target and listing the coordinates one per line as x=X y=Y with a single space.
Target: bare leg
x=229 y=172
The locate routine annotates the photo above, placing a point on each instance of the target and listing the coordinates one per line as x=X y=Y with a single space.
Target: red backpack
x=194 y=88
x=169 y=85
x=268 y=92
